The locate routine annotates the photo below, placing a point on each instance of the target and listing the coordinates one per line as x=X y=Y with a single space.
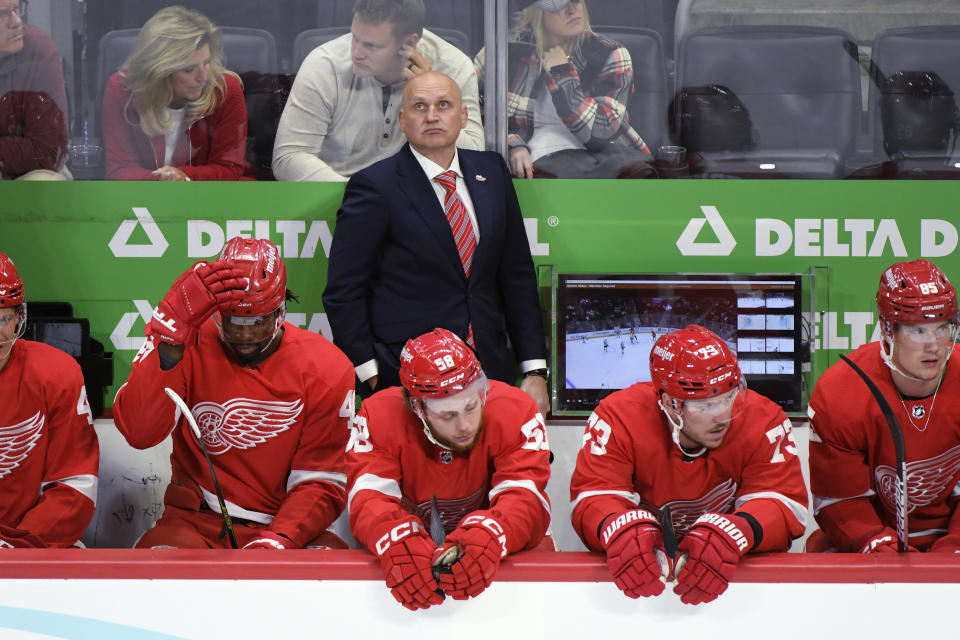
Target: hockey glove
x=482 y=544
x=886 y=542
x=949 y=543
x=714 y=546
x=269 y=540
x=406 y=554
x=12 y=538
x=635 y=555
x=194 y=296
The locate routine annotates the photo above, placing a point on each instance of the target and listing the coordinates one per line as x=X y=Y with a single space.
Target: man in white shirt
x=342 y=113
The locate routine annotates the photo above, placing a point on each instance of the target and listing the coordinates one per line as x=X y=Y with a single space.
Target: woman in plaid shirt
x=567 y=103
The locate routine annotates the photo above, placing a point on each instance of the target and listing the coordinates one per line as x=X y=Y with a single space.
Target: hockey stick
x=671 y=564
x=227 y=523
x=901 y=452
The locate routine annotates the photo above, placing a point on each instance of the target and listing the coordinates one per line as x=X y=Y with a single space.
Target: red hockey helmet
x=267 y=290
x=915 y=292
x=693 y=363
x=437 y=364
x=11 y=286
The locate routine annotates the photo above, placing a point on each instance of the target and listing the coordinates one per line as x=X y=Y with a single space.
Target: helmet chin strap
x=416 y=405
x=886 y=341
x=677 y=428
x=264 y=344
x=21 y=328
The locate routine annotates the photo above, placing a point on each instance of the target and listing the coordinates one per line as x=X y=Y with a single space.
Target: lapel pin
x=480 y=178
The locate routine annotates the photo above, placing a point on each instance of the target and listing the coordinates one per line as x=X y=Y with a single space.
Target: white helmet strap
x=677 y=427
x=886 y=353
x=416 y=405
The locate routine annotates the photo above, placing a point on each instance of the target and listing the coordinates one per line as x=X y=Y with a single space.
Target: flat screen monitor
x=66 y=334
x=607 y=324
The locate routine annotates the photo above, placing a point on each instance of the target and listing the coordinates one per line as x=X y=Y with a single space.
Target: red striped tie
x=461 y=225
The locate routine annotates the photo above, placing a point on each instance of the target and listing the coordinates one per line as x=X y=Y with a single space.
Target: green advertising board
x=113 y=249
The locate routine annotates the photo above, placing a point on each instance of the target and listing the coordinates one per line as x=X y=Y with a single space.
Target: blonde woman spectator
x=568 y=94
x=173 y=112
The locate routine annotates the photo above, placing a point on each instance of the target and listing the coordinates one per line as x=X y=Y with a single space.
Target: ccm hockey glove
x=635 y=555
x=194 y=296
x=482 y=544
x=714 y=546
x=406 y=553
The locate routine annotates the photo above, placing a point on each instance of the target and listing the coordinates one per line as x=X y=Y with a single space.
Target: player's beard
x=459 y=447
x=712 y=444
x=259 y=354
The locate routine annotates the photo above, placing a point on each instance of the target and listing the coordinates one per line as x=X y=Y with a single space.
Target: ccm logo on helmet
x=456 y=378
x=663 y=353
x=720 y=378
x=397 y=534
x=726 y=526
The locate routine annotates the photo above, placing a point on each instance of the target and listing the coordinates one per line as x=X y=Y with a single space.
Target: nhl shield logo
x=918 y=411
x=446 y=457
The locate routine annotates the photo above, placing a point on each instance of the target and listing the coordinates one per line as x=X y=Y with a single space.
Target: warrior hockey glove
x=714 y=546
x=405 y=553
x=194 y=296
x=482 y=544
x=269 y=540
x=12 y=538
x=949 y=543
x=635 y=555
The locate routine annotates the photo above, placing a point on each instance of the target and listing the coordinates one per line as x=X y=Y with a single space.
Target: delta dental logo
x=687 y=242
x=206 y=238
x=120 y=242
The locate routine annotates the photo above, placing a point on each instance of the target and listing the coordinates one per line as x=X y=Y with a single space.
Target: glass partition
x=596 y=88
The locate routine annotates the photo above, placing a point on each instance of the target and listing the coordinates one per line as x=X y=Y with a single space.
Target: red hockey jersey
x=394 y=469
x=275 y=431
x=853 y=462
x=49 y=454
x=628 y=458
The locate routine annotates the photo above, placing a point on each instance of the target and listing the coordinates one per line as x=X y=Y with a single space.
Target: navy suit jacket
x=395 y=272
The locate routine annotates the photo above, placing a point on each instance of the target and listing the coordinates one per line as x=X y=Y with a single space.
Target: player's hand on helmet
x=482 y=544
x=269 y=540
x=194 y=296
x=13 y=538
x=713 y=548
x=883 y=542
x=406 y=554
x=635 y=555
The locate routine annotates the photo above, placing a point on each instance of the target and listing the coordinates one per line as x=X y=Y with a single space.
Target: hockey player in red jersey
x=852 y=457
x=479 y=446
x=273 y=403
x=48 y=448
x=695 y=439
